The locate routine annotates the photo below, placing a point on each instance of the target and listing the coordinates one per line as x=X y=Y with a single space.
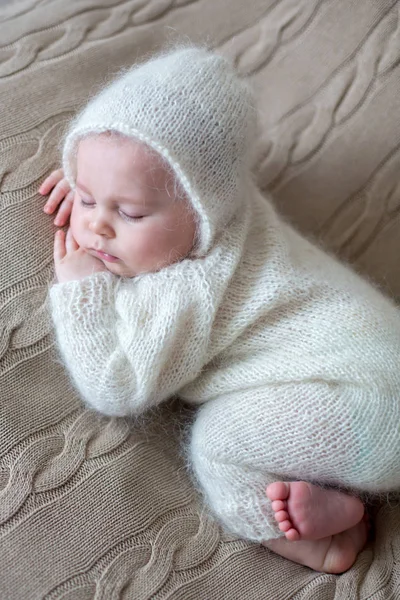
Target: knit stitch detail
x=191 y=108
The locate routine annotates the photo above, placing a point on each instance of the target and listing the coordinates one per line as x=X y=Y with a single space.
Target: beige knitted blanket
x=92 y=507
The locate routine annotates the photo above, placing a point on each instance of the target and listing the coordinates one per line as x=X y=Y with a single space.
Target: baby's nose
x=100 y=227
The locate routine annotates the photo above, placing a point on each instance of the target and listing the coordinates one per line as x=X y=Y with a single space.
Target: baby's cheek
x=154 y=245
x=76 y=225
x=155 y=241
x=179 y=230
x=73 y=224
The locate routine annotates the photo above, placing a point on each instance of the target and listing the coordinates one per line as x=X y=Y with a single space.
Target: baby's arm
x=131 y=343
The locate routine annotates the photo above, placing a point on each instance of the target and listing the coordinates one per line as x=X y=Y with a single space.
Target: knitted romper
x=292 y=358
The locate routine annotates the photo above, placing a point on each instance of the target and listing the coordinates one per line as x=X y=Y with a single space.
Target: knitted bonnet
x=190 y=107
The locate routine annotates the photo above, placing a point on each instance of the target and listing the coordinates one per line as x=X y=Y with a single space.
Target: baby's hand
x=72 y=263
x=61 y=195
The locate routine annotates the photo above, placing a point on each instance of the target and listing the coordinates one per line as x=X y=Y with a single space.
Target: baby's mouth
x=105 y=256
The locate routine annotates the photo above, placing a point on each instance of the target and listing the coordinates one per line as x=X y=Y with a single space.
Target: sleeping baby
x=177 y=277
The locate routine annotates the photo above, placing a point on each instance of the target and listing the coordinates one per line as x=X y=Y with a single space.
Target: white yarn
x=293 y=358
x=190 y=107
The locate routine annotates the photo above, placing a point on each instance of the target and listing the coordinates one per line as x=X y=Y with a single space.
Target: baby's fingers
x=70 y=242
x=51 y=181
x=64 y=211
x=57 y=195
x=59 y=246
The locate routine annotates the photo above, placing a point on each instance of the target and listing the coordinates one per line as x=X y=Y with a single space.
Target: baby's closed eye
x=123 y=214
x=132 y=217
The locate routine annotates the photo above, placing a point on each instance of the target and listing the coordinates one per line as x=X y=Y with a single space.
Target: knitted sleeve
x=129 y=344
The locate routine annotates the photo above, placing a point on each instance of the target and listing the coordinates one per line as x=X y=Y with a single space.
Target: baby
x=178 y=277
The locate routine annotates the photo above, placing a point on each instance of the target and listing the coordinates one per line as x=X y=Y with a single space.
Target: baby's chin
x=123 y=270
x=119 y=269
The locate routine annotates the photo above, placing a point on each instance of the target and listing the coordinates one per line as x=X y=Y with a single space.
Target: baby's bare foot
x=308 y=512
x=333 y=554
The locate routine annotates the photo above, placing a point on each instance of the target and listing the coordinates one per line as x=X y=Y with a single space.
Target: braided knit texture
x=101 y=507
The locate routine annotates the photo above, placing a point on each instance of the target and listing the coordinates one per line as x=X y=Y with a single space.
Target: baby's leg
x=241 y=444
x=305 y=511
x=237 y=449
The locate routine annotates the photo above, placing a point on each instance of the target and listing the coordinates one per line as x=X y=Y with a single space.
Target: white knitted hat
x=190 y=107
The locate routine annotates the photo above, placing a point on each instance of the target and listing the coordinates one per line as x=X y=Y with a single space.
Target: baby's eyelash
x=123 y=215
x=129 y=218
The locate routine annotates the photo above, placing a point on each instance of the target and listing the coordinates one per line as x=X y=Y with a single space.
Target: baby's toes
x=285 y=525
x=281 y=516
x=279 y=490
x=278 y=505
x=292 y=535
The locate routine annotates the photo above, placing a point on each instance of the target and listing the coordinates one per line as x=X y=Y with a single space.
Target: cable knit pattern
x=100 y=507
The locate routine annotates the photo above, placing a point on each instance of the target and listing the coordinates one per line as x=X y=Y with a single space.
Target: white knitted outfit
x=293 y=357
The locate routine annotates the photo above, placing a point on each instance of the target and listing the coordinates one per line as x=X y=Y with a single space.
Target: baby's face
x=124 y=206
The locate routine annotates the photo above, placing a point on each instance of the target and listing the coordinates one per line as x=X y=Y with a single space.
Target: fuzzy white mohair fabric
x=292 y=358
x=166 y=103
